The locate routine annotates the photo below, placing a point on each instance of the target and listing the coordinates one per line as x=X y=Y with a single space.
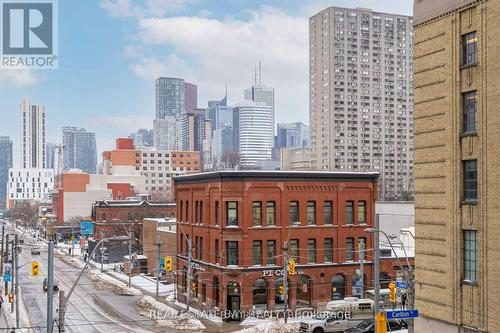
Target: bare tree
x=230 y=160
x=24 y=211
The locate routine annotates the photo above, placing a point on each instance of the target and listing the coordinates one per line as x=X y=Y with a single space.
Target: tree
x=230 y=160
x=25 y=211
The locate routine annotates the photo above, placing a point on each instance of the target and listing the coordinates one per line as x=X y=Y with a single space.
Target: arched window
x=279 y=293
x=216 y=291
x=259 y=294
x=304 y=291
x=338 y=287
x=385 y=278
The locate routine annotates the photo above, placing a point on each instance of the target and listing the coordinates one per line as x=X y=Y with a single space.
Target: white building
x=167 y=133
x=253 y=132
x=33 y=135
x=30 y=184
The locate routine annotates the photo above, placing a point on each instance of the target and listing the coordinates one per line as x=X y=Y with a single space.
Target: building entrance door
x=233 y=300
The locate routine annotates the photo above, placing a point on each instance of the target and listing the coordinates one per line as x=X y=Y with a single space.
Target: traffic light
x=193 y=286
x=168 y=263
x=11 y=298
x=282 y=290
x=35 y=268
x=392 y=292
x=381 y=321
x=291 y=267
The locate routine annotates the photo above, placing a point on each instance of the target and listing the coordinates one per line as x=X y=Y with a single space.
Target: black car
x=368 y=326
x=45 y=284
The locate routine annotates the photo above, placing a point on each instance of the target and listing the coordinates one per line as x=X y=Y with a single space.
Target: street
x=90 y=309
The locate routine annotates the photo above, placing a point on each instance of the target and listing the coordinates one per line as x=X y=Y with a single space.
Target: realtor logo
x=29 y=34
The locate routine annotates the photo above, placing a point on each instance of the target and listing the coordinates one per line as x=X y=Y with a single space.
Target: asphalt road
x=90 y=309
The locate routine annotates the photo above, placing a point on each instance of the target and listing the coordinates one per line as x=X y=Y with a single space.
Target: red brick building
x=117 y=217
x=238 y=222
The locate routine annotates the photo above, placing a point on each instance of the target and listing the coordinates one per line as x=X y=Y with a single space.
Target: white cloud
x=17 y=78
x=154 y=8
x=210 y=52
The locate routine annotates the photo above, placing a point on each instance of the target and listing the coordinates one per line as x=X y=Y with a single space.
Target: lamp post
x=285 y=268
x=64 y=301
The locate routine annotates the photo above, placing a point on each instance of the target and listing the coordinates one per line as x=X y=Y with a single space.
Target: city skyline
x=122 y=99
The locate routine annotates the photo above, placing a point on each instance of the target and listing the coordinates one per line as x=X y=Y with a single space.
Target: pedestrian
x=403 y=301
x=1 y=301
x=85 y=256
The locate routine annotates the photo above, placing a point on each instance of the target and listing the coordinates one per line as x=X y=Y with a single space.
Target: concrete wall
x=394 y=216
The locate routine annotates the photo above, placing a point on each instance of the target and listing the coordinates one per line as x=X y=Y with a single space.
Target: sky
x=110 y=52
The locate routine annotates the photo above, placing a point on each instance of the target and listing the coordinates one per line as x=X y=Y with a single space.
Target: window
x=470 y=255
x=311 y=250
x=361 y=212
x=232 y=253
x=328 y=250
x=257 y=252
x=294 y=212
x=349 y=212
x=470 y=180
x=256 y=213
x=271 y=252
x=187 y=211
x=469 y=101
x=231 y=213
x=311 y=212
x=201 y=212
x=203 y=292
x=271 y=213
x=180 y=212
x=327 y=212
x=294 y=249
x=349 y=244
x=217 y=251
x=217 y=213
x=469 y=48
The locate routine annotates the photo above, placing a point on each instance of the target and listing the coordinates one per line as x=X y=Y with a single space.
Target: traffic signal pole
x=50 y=286
x=158 y=267
x=285 y=278
x=16 y=264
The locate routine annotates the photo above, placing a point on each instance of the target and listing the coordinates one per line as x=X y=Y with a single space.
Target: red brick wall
x=121 y=191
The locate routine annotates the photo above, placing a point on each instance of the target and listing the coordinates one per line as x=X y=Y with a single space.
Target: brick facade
x=202 y=202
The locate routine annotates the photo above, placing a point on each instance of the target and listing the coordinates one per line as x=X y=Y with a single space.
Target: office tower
x=167 y=133
x=80 y=150
x=262 y=94
x=252 y=130
x=143 y=138
x=222 y=142
x=456 y=165
x=50 y=151
x=5 y=165
x=220 y=114
x=194 y=130
x=170 y=97
x=33 y=134
x=293 y=135
x=361 y=95
x=191 y=97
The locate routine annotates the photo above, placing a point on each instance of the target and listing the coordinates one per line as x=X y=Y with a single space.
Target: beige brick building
x=457 y=130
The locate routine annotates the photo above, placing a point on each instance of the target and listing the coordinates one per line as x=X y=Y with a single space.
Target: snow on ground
x=167 y=316
x=108 y=282
x=200 y=314
x=145 y=283
x=271 y=326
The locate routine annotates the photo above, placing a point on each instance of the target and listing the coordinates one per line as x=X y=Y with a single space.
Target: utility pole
x=16 y=264
x=129 y=263
x=62 y=309
x=376 y=269
x=158 y=267
x=6 y=254
x=102 y=250
x=50 y=285
x=411 y=298
x=190 y=267
x=1 y=256
x=285 y=278
x=361 y=267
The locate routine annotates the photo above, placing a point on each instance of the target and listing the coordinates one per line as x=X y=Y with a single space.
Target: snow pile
x=273 y=326
x=107 y=281
x=75 y=262
x=167 y=316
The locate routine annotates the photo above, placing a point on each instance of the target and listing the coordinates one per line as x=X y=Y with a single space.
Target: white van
x=339 y=316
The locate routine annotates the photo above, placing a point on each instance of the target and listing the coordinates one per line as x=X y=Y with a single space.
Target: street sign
x=401 y=285
x=7 y=269
x=402 y=314
x=6 y=278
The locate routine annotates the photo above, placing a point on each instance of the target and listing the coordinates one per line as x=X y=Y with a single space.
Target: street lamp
x=376 y=232
x=285 y=267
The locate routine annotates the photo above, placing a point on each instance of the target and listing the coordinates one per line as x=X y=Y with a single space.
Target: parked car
x=368 y=326
x=35 y=251
x=45 y=284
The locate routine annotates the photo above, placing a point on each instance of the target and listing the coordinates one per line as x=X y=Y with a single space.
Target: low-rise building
x=162 y=230
x=295 y=159
x=239 y=222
